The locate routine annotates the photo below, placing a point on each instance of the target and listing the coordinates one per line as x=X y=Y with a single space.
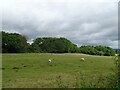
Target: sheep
x=49 y=61
x=82 y=59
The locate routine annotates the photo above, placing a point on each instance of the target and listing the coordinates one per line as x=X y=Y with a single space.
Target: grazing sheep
x=49 y=61
x=82 y=59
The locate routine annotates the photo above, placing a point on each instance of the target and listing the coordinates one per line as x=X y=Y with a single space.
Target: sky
x=84 y=22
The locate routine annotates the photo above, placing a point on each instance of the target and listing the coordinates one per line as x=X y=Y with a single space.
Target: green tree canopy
x=16 y=43
x=13 y=43
x=53 y=45
x=97 y=50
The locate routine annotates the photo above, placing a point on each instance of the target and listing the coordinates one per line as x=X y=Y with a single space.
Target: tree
x=16 y=43
x=13 y=43
x=106 y=51
x=97 y=50
x=53 y=45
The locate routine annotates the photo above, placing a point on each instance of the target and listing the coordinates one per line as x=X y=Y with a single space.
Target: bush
x=97 y=50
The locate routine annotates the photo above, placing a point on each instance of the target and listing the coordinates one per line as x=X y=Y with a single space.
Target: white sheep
x=82 y=59
x=49 y=61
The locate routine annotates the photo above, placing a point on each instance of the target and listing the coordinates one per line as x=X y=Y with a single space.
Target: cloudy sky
x=84 y=22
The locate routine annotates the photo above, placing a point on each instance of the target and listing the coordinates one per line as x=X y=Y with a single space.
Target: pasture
x=32 y=70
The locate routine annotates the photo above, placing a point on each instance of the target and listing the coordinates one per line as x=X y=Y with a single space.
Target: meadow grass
x=32 y=70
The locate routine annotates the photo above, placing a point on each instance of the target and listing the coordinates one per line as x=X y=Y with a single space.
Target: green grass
x=66 y=70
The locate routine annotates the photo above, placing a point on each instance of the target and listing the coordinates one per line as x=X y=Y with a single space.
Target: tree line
x=16 y=43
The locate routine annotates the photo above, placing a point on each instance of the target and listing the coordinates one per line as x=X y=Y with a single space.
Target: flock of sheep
x=50 y=60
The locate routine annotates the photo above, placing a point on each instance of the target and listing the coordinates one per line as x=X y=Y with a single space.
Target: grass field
x=67 y=70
